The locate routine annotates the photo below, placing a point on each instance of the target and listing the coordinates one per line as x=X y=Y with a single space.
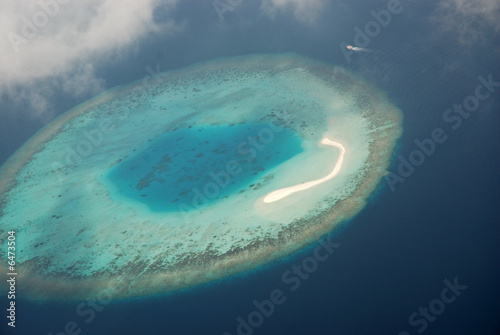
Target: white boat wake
x=370 y=51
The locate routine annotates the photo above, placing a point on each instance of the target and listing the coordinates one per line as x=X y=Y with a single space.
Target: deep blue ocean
x=438 y=227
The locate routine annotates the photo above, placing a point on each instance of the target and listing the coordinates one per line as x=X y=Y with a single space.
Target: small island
x=204 y=172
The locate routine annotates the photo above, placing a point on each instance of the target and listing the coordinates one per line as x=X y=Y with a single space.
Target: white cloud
x=81 y=80
x=306 y=11
x=34 y=99
x=61 y=40
x=468 y=20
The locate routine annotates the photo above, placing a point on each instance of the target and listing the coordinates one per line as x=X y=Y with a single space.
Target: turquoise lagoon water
x=192 y=167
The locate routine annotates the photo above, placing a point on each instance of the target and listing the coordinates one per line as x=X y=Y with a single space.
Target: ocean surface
x=436 y=227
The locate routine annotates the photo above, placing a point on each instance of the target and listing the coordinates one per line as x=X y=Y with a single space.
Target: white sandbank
x=284 y=192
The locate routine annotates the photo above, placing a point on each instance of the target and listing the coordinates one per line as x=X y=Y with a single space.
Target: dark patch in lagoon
x=160 y=174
